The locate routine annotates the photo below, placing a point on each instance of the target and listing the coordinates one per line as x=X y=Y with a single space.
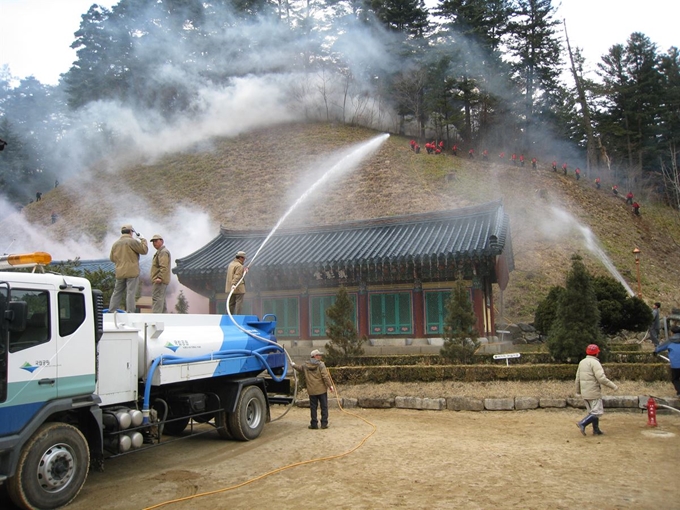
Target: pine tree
x=182 y=305
x=536 y=49
x=577 y=322
x=460 y=334
x=345 y=343
x=546 y=311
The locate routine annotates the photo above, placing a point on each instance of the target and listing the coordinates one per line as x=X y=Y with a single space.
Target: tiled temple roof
x=475 y=232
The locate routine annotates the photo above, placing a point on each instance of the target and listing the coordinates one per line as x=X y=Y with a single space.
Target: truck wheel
x=175 y=427
x=248 y=420
x=52 y=467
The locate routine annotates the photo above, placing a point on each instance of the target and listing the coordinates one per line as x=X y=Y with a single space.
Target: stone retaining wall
x=638 y=403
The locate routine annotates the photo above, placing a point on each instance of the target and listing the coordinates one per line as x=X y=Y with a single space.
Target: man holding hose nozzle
x=125 y=254
x=318 y=381
x=673 y=348
x=235 y=272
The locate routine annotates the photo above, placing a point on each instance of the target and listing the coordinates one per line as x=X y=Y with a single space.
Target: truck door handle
x=42 y=382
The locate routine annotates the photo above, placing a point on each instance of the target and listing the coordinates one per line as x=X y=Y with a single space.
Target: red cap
x=592 y=350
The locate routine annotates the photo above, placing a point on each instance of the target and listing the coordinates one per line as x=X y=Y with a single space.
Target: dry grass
x=249 y=181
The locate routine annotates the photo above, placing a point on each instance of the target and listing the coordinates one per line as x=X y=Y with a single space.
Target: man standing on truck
x=318 y=381
x=160 y=275
x=236 y=283
x=125 y=254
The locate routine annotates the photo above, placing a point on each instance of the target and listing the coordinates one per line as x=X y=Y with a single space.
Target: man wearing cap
x=125 y=254
x=673 y=348
x=318 y=382
x=589 y=380
x=236 y=283
x=160 y=275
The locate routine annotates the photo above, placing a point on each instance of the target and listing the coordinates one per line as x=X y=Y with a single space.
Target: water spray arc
x=347 y=163
x=592 y=244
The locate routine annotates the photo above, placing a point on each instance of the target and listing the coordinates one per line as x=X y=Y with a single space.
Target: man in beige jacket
x=235 y=272
x=589 y=380
x=125 y=254
x=318 y=381
x=160 y=275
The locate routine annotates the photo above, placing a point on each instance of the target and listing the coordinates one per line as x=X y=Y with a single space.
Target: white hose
x=258 y=337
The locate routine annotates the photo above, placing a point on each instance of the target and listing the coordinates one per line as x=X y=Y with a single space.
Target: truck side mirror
x=15 y=315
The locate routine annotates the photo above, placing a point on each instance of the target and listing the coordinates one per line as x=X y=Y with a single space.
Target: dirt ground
x=398 y=458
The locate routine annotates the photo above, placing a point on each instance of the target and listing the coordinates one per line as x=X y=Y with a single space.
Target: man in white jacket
x=589 y=380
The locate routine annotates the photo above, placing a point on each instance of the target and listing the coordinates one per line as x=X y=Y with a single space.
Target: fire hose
x=266 y=340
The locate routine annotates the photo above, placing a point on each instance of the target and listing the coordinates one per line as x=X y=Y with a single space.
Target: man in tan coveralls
x=160 y=275
x=235 y=273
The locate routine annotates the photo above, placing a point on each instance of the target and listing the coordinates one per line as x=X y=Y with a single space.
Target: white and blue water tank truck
x=78 y=385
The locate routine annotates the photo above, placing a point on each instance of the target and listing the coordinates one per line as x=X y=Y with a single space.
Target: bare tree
x=409 y=88
x=591 y=146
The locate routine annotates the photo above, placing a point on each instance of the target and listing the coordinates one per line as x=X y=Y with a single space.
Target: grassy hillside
x=250 y=181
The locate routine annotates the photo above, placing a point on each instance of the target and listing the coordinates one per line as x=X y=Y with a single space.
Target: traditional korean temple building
x=398 y=271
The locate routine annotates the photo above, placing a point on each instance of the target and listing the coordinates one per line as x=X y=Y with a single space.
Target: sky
x=35 y=35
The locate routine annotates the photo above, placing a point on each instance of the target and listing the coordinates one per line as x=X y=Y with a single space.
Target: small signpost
x=507 y=357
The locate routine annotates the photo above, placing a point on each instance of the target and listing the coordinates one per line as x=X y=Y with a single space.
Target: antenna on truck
x=10 y=245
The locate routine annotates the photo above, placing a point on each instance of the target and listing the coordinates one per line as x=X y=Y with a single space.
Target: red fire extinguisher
x=651 y=412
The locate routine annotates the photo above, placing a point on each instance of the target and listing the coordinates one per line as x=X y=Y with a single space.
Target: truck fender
x=231 y=390
x=84 y=413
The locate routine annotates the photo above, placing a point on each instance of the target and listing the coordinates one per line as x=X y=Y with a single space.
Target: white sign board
x=507 y=356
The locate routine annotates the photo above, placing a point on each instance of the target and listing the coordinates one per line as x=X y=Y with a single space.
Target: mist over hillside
x=249 y=182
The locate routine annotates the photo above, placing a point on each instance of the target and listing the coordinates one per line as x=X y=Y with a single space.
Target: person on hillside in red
x=554 y=166
x=577 y=172
x=417 y=149
x=615 y=190
x=413 y=145
x=502 y=155
x=533 y=163
x=428 y=148
x=597 y=183
x=521 y=160
x=629 y=198
x=441 y=145
x=564 y=169
x=514 y=159
x=471 y=154
x=636 y=209
x=437 y=150
x=485 y=155
x=454 y=150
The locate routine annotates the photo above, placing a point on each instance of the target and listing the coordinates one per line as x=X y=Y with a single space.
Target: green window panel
x=391 y=314
x=435 y=312
x=287 y=315
x=317 y=313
